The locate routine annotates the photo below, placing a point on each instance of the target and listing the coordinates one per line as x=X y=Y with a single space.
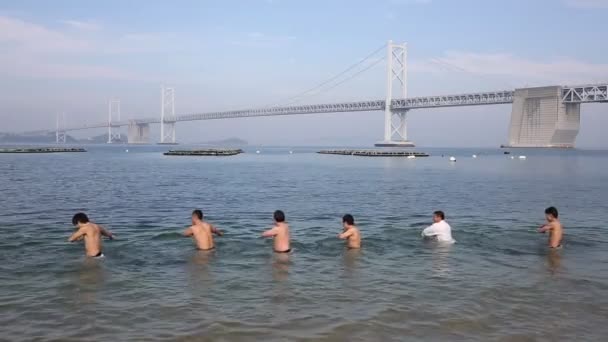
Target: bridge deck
x=572 y=94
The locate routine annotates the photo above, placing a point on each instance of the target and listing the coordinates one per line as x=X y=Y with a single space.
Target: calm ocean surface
x=499 y=282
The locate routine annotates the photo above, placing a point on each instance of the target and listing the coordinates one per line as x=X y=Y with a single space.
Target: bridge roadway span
x=569 y=94
x=486 y=98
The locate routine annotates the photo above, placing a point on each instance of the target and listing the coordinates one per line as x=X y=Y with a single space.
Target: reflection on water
x=554 y=260
x=91 y=279
x=351 y=260
x=200 y=279
x=441 y=258
x=280 y=266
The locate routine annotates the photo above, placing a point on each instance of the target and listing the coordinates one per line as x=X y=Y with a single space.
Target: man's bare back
x=280 y=233
x=556 y=233
x=350 y=232
x=352 y=236
x=202 y=232
x=91 y=233
x=554 y=227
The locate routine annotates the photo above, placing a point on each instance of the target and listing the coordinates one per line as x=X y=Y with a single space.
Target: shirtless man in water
x=202 y=231
x=91 y=233
x=351 y=232
x=280 y=233
x=554 y=227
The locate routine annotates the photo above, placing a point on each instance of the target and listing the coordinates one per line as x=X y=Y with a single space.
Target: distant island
x=50 y=138
x=225 y=142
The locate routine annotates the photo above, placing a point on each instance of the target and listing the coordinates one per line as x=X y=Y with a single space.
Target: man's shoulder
x=92 y=226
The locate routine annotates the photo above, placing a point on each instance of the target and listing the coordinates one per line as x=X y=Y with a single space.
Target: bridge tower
x=167 y=115
x=113 y=128
x=395 y=124
x=60 y=134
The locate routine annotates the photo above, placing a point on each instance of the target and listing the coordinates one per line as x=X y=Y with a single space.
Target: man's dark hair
x=349 y=219
x=279 y=216
x=198 y=213
x=440 y=214
x=551 y=211
x=80 y=218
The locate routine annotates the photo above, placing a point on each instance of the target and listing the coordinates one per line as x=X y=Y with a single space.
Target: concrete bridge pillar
x=539 y=118
x=395 y=122
x=139 y=133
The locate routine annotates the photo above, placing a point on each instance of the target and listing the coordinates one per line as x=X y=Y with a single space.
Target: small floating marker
x=474 y=156
x=452 y=159
x=258 y=151
x=523 y=157
x=290 y=152
x=512 y=157
x=127 y=151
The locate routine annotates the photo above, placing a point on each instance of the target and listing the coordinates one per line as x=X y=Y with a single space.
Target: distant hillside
x=103 y=139
x=227 y=142
x=33 y=139
x=50 y=138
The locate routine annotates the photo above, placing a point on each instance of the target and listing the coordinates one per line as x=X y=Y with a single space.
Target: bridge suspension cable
x=307 y=93
x=452 y=67
x=346 y=79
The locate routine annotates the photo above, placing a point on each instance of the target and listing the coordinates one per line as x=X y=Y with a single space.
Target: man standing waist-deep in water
x=280 y=232
x=351 y=232
x=202 y=232
x=91 y=233
x=440 y=229
x=554 y=227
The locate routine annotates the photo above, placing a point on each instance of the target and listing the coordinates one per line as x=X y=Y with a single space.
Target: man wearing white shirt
x=440 y=229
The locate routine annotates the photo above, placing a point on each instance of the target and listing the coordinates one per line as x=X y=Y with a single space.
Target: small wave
x=167 y=236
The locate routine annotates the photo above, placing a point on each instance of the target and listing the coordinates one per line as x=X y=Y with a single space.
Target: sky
x=74 y=56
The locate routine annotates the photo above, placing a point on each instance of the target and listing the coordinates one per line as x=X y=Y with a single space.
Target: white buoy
x=290 y=152
x=522 y=157
x=512 y=157
x=258 y=151
x=411 y=157
x=474 y=156
x=452 y=159
x=127 y=151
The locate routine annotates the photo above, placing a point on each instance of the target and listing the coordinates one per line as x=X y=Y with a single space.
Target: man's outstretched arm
x=106 y=233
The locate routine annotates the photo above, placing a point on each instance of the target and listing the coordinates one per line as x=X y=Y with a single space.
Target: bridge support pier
x=167 y=116
x=60 y=135
x=395 y=121
x=138 y=133
x=539 y=118
x=113 y=130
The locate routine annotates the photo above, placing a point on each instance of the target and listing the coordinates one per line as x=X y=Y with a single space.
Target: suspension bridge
x=540 y=117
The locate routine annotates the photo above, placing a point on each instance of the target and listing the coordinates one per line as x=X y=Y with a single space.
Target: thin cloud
x=410 y=2
x=586 y=3
x=26 y=67
x=25 y=36
x=557 y=70
x=33 y=51
x=257 y=39
x=82 y=25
